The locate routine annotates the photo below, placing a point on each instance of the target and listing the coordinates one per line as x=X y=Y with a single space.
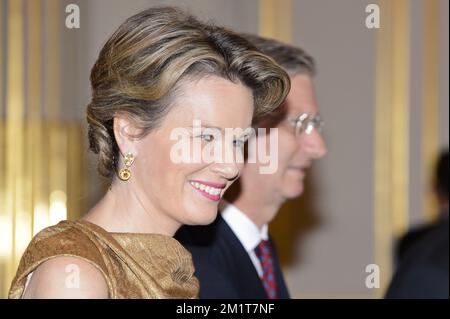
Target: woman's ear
x=125 y=133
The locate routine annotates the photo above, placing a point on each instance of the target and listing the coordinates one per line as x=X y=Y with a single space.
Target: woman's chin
x=205 y=218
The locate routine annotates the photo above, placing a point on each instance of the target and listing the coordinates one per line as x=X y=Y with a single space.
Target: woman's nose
x=229 y=171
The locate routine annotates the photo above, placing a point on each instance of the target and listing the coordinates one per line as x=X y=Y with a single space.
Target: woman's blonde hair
x=139 y=68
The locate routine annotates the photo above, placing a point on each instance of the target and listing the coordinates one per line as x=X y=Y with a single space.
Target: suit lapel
x=247 y=281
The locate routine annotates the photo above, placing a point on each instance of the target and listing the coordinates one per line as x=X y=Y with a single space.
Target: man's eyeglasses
x=306 y=123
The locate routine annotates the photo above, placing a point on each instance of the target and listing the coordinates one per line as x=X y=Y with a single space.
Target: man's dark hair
x=441 y=178
x=293 y=59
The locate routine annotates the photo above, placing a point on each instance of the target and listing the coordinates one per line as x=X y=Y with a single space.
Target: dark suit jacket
x=222 y=264
x=414 y=235
x=424 y=270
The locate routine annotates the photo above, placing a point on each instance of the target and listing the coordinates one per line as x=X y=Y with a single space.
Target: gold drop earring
x=125 y=173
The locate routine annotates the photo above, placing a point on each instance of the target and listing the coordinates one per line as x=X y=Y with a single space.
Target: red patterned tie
x=264 y=253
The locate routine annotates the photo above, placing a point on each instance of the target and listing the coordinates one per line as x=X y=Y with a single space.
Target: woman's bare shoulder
x=66 y=277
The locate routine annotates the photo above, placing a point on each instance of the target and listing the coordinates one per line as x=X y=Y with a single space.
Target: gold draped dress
x=133 y=265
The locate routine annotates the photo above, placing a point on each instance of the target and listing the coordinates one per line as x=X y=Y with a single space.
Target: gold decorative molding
x=57 y=135
x=391 y=132
x=37 y=144
x=13 y=222
x=401 y=114
x=430 y=103
x=275 y=19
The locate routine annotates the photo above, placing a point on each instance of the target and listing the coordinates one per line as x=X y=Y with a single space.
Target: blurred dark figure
x=423 y=253
x=441 y=190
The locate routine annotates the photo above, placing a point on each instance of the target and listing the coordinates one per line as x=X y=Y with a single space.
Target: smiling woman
x=162 y=70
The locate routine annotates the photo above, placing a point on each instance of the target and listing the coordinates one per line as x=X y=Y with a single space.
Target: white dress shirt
x=245 y=230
